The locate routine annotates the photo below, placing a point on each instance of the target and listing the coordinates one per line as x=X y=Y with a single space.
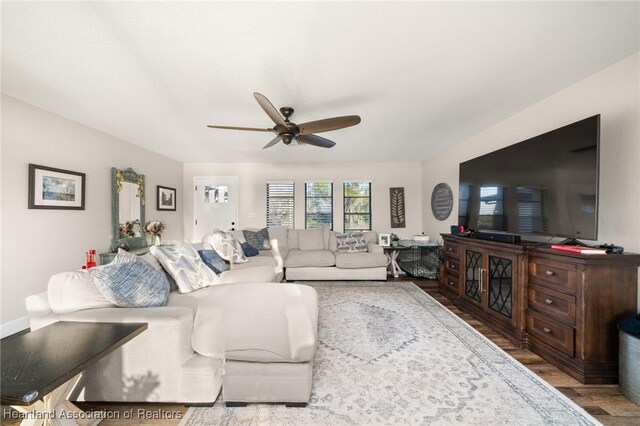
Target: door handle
x=481 y=283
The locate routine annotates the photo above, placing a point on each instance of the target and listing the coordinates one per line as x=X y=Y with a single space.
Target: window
x=531 y=210
x=280 y=204
x=318 y=210
x=491 y=215
x=357 y=206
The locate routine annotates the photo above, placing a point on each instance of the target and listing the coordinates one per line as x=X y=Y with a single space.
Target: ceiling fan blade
x=268 y=107
x=328 y=124
x=273 y=142
x=315 y=140
x=252 y=129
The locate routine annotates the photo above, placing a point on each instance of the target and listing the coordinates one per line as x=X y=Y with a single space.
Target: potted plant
x=394 y=240
x=154 y=228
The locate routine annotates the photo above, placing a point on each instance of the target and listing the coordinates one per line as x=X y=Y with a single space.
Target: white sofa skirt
x=331 y=273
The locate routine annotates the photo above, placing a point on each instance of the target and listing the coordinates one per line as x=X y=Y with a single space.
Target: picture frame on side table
x=51 y=188
x=166 y=198
x=384 y=240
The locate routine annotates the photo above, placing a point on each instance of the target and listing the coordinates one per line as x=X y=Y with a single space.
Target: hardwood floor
x=604 y=402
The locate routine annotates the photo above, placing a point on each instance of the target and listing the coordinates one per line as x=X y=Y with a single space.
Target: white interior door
x=216 y=205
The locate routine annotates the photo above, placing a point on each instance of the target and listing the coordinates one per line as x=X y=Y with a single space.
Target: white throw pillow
x=226 y=245
x=183 y=263
x=74 y=291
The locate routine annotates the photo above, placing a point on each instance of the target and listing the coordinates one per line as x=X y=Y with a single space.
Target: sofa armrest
x=147 y=368
x=169 y=328
x=374 y=248
x=38 y=305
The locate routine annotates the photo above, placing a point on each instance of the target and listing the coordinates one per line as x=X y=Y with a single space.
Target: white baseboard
x=12 y=327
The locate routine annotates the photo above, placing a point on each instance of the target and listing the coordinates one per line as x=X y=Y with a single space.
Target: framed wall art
x=166 y=198
x=51 y=188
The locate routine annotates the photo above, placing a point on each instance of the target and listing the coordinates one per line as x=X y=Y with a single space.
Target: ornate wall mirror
x=127 y=209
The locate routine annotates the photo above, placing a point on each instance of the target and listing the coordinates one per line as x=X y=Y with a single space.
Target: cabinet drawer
x=453 y=282
x=555 y=334
x=553 y=303
x=452 y=265
x=451 y=249
x=556 y=275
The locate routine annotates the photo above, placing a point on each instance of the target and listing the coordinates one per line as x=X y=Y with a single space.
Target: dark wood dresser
x=565 y=307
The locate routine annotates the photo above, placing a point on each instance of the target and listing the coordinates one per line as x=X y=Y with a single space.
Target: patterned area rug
x=388 y=353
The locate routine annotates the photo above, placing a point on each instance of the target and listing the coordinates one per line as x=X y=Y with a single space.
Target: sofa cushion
x=279 y=234
x=130 y=282
x=257 y=322
x=184 y=264
x=227 y=246
x=258 y=239
x=212 y=259
x=303 y=258
x=351 y=243
x=74 y=291
x=311 y=239
x=257 y=274
x=360 y=260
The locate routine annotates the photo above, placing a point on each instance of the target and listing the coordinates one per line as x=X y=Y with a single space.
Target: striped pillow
x=130 y=282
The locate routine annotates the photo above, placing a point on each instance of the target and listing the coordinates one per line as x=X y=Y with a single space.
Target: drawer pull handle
x=452 y=266
x=550 y=273
x=548 y=302
x=546 y=330
x=449 y=248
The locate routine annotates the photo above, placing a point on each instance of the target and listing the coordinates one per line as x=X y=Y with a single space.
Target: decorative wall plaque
x=441 y=201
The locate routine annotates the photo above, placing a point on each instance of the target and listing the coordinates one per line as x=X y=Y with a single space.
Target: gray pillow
x=258 y=240
x=130 y=282
x=351 y=243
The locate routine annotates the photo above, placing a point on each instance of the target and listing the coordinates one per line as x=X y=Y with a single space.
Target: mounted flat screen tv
x=546 y=185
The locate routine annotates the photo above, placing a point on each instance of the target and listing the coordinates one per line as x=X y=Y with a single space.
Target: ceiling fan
x=286 y=131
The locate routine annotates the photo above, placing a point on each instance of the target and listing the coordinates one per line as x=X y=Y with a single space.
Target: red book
x=578 y=249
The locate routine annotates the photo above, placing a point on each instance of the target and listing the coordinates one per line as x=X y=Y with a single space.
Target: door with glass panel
x=215 y=205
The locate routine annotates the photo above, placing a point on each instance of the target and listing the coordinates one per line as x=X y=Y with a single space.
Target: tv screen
x=546 y=185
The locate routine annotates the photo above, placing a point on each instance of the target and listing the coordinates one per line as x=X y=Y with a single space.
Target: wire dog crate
x=421 y=260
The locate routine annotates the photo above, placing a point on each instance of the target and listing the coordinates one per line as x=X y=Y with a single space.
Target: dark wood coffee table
x=40 y=368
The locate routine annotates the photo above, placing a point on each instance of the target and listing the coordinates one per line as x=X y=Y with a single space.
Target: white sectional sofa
x=264 y=331
x=312 y=255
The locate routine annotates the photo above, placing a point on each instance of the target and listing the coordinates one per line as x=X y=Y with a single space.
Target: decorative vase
x=156 y=240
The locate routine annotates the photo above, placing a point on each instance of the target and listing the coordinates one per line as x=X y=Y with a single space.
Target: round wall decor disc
x=441 y=201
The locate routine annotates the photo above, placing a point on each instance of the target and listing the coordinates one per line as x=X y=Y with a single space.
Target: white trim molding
x=13 y=327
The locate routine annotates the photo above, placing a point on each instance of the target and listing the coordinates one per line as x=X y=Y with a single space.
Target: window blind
x=280 y=204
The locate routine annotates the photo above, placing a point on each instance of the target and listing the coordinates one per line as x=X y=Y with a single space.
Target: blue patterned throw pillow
x=249 y=250
x=130 y=282
x=212 y=259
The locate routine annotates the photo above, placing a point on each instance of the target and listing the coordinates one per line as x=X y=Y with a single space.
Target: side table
x=40 y=368
x=393 y=252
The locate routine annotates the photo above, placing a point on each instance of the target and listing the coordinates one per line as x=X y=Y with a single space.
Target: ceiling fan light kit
x=288 y=132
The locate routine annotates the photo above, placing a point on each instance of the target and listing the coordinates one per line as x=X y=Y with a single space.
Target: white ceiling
x=420 y=74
